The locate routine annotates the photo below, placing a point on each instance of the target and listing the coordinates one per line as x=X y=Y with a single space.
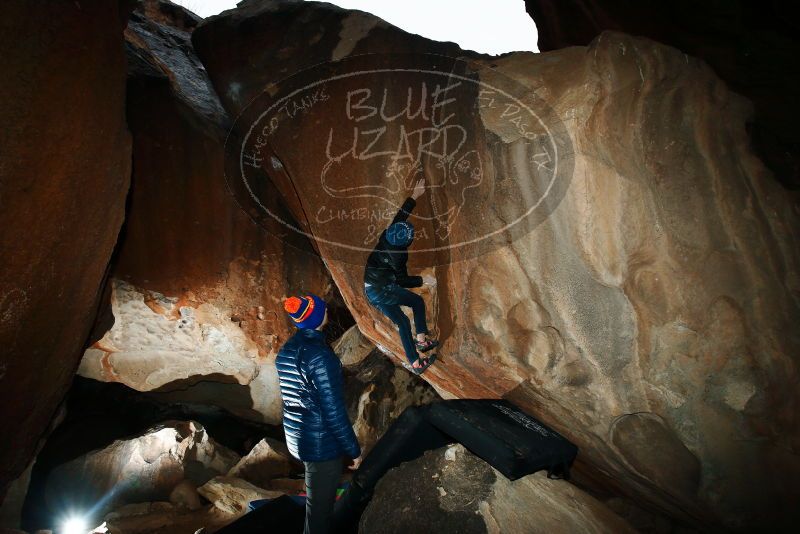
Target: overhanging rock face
x=610 y=255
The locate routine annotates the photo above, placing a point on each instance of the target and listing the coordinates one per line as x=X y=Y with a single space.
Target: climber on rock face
x=318 y=431
x=386 y=280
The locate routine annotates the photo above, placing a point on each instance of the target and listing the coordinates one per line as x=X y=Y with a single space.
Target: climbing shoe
x=425 y=361
x=425 y=346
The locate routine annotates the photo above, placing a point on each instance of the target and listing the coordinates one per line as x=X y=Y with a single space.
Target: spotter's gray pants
x=322 y=479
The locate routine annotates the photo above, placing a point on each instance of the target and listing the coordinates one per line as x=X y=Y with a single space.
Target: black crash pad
x=505 y=437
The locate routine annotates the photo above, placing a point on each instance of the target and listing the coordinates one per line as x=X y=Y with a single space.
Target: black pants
x=388 y=300
x=322 y=479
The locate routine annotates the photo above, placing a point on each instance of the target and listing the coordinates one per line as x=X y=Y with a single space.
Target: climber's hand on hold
x=419 y=188
x=429 y=280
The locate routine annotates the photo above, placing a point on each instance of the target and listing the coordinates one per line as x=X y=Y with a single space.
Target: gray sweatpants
x=322 y=479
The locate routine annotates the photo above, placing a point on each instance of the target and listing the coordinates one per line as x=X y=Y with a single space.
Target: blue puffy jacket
x=314 y=416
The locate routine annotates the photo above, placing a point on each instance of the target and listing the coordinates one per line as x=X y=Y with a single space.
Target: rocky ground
x=174 y=476
x=450 y=490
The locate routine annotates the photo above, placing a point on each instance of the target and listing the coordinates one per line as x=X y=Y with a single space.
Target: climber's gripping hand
x=419 y=188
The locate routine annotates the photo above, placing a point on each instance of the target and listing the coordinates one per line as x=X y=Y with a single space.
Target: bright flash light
x=74 y=525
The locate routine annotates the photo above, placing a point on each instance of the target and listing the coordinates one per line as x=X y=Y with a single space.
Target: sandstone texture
x=352 y=347
x=450 y=490
x=64 y=175
x=185 y=495
x=198 y=287
x=748 y=44
x=615 y=260
x=233 y=495
x=269 y=459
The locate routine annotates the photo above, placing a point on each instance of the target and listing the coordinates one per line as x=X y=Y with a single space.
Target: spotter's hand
x=355 y=463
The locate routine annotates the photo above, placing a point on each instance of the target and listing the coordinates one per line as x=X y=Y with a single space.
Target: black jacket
x=386 y=264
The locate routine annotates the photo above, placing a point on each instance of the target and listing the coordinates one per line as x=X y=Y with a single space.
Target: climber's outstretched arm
x=408 y=205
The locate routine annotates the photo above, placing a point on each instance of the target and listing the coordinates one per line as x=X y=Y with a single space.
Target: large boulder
x=233 y=495
x=198 y=287
x=610 y=254
x=377 y=391
x=65 y=170
x=750 y=45
x=268 y=460
x=352 y=347
x=141 y=469
x=450 y=490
